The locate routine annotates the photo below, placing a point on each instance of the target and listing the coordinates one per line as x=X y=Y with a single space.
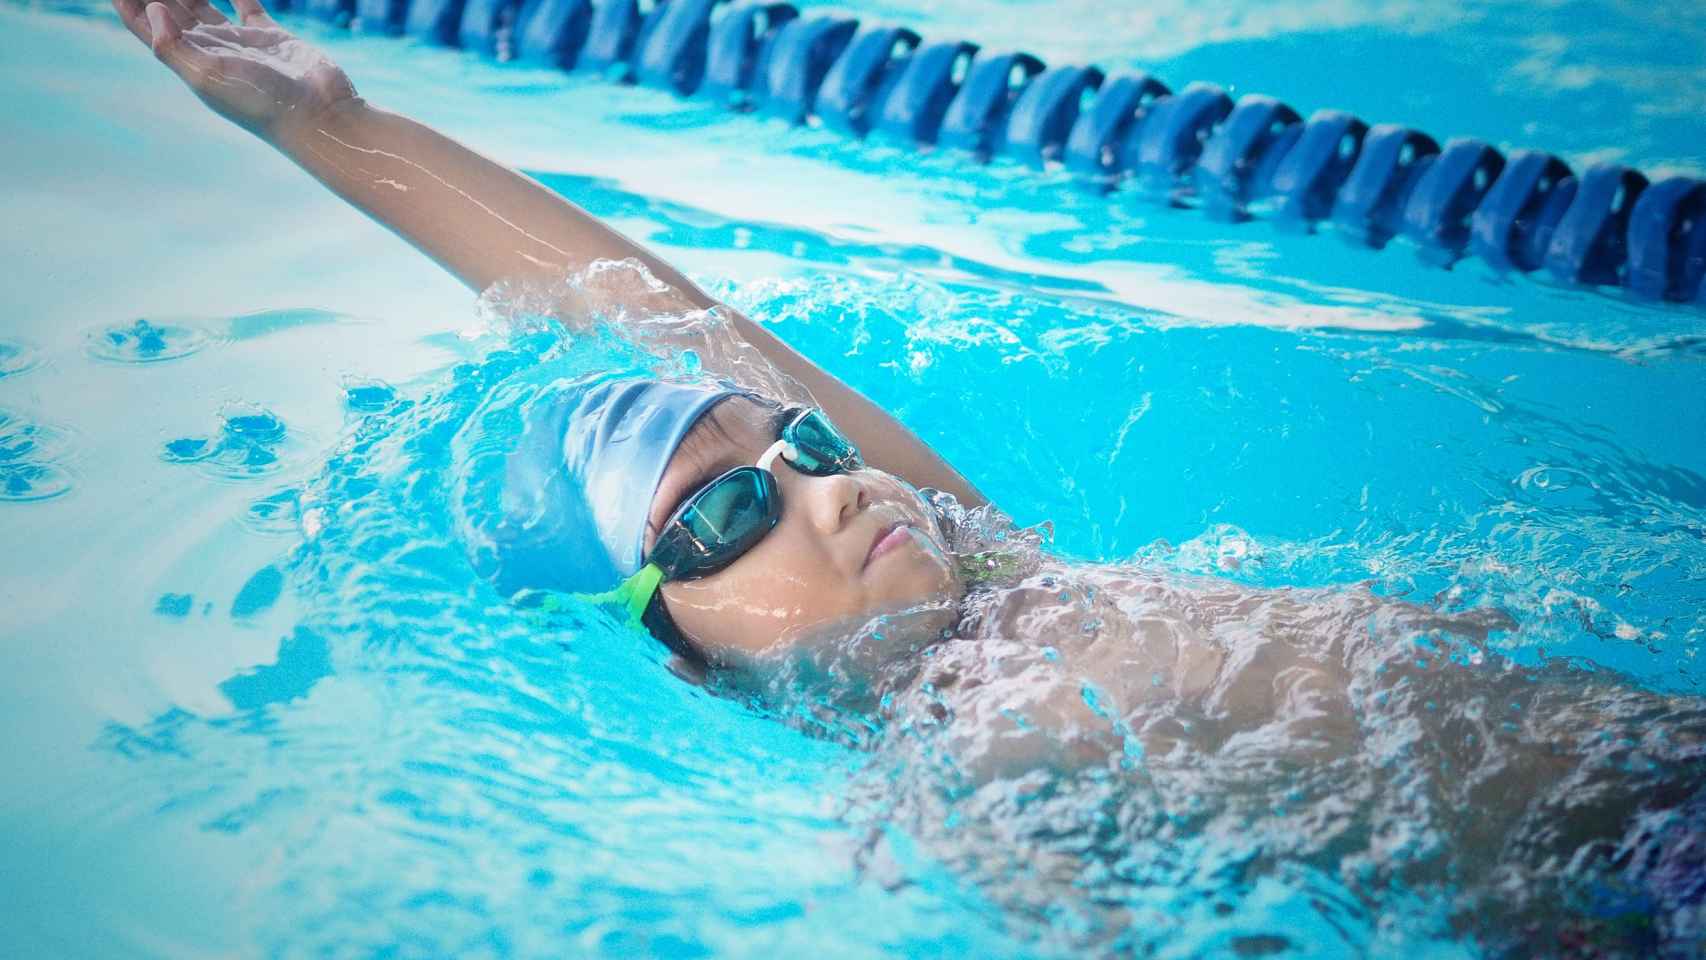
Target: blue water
x=257 y=704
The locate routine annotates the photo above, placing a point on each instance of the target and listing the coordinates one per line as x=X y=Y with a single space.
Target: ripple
x=246 y=445
x=21 y=440
x=15 y=358
x=368 y=396
x=145 y=342
x=33 y=481
x=276 y=513
x=27 y=454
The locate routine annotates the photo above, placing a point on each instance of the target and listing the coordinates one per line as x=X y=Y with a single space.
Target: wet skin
x=847 y=547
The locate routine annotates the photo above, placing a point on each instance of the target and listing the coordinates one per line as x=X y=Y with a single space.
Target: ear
x=686 y=669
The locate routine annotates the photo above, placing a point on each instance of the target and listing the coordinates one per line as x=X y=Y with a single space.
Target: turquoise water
x=256 y=703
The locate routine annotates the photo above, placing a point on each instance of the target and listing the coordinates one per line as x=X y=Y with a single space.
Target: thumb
x=164 y=33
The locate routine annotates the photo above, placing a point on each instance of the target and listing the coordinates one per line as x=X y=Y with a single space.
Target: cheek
x=922 y=574
x=751 y=604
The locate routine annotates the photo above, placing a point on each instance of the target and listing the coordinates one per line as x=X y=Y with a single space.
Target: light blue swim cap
x=578 y=487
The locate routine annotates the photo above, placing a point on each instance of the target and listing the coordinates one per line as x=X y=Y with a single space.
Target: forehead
x=733 y=433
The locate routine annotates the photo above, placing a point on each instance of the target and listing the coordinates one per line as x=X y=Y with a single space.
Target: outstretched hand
x=254 y=73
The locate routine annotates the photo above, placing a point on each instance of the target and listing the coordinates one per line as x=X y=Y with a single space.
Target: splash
x=622 y=301
x=1189 y=748
x=143 y=341
x=248 y=444
x=1181 y=750
x=1137 y=758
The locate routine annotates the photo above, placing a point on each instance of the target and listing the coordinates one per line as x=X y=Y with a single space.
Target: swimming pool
x=244 y=722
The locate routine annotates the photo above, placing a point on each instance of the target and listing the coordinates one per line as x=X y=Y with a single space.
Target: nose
x=830 y=502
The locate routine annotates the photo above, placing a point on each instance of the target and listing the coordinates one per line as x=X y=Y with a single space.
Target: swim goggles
x=728 y=516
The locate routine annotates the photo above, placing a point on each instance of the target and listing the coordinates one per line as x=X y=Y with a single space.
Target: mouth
x=887 y=540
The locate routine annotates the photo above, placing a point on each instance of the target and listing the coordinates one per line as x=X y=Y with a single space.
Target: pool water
x=256 y=702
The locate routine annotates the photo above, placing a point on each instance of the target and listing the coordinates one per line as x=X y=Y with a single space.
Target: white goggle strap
x=780 y=448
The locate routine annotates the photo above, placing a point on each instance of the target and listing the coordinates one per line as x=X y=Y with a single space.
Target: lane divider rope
x=1605 y=225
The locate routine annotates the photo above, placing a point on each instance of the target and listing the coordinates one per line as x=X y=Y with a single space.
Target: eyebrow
x=705 y=474
x=773 y=424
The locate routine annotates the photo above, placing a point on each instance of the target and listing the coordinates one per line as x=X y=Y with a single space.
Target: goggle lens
x=733 y=512
x=821 y=449
x=720 y=522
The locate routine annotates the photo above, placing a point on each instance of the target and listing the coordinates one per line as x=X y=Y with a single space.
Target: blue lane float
x=977 y=115
x=915 y=107
x=1369 y=206
x=738 y=60
x=549 y=33
x=1094 y=144
x=864 y=77
x=1044 y=115
x=800 y=60
x=380 y=16
x=1237 y=168
x=1528 y=211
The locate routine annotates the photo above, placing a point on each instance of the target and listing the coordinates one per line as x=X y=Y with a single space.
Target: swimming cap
x=578 y=486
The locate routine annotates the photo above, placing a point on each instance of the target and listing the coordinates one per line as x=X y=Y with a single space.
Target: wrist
x=298 y=126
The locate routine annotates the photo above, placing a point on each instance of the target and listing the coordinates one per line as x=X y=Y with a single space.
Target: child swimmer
x=488 y=224
x=755 y=531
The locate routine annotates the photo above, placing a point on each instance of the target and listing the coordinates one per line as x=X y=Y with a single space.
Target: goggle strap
x=633 y=595
x=780 y=448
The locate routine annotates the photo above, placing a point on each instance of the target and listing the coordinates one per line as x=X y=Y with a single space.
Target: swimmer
x=781 y=536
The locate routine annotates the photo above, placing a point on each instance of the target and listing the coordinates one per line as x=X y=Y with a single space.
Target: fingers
x=169 y=46
x=136 y=19
x=130 y=11
x=203 y=11
x=180 y=17
x=251 y=13
x=163 y=30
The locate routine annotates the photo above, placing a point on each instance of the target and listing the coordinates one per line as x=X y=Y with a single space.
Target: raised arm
x=479 y=219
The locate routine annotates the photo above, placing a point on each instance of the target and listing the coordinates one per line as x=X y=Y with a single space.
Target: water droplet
x=259 y=593
x=174 y=604
x=186 y=449
x=259 y=427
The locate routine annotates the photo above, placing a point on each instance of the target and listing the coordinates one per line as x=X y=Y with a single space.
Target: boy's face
x=848 y=547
